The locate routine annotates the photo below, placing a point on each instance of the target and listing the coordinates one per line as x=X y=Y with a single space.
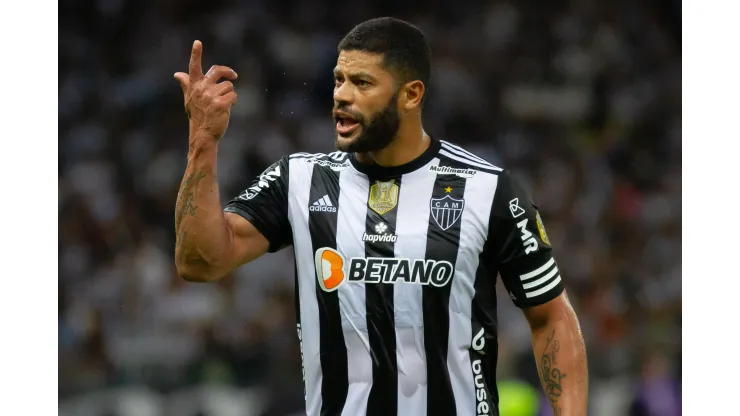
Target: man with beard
x=398 y=239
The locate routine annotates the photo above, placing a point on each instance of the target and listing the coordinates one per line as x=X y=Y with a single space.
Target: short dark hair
x=404 y=47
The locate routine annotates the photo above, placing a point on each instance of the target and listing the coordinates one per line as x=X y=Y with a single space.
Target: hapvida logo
x=375 y=238
x=381 y=236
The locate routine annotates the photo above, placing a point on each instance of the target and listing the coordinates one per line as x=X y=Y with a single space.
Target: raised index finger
x=196 y=68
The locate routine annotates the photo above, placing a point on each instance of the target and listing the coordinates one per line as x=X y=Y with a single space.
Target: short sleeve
x=521 y=248
x=265 y=204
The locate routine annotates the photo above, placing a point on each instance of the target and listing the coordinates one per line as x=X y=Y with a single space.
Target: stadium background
x=581 y=99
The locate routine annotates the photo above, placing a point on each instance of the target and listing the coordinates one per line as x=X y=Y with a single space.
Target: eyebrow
x=354 y=75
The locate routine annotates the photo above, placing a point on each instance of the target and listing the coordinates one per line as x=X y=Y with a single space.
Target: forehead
x=358 y=62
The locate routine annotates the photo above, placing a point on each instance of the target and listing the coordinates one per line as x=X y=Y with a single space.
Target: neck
x=411 y=141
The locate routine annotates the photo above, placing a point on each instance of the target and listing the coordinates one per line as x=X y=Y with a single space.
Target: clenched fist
x=207 y=101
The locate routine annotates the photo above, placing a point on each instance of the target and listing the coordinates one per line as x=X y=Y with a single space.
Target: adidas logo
x=323 y=205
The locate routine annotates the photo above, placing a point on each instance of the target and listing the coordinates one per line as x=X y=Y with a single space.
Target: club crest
x=446 y=211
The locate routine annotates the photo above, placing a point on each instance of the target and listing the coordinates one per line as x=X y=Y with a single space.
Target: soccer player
x=398 y=240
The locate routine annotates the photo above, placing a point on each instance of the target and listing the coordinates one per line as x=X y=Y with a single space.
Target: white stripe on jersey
x=411 y=229
x=467 y=161
x=468 y=155
x=541 y=280
x=544 y=289
x=300 y=185
x=353 y=188
x=541 y=275
x=479 y=192
x=538 y=271
x=459 y=151
x=338 y=155
x=304 y=155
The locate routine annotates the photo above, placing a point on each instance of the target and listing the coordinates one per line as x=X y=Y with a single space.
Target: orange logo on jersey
x=332 y=270
x=329 y=268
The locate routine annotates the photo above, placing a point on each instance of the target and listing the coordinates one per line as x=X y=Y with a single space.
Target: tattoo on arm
x=552 y=376
x=185 y=204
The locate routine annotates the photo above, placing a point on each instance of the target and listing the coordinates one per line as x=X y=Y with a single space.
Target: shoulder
x=510 y=196
x=453 y=154
x=512 y=200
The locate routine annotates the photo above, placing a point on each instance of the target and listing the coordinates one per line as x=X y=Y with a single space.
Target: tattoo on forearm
x=185 y=204
x=552 y=376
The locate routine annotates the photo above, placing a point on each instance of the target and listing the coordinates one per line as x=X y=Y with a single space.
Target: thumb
x=183 y=79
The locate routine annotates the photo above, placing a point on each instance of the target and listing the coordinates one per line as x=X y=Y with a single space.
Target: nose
x=343 y=94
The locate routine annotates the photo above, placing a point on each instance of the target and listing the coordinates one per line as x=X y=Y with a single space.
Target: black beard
x=377 y=133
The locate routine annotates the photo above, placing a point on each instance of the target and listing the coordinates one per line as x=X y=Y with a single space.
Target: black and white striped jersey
x=395 y=275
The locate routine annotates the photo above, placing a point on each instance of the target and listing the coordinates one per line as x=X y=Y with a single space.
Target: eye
x=362 y=83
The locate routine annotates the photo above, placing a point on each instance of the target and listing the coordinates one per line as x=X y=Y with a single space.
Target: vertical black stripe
x=322 y=225
x=379 y=305
x=442 y=245
x=484 y=318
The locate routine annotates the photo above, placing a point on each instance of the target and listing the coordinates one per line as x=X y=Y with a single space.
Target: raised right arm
x=210 y=243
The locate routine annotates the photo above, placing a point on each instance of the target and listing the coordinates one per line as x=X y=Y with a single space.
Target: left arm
x=560 y=353
x=526 y=263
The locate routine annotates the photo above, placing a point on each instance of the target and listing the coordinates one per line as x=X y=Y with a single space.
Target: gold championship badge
x=383 y=196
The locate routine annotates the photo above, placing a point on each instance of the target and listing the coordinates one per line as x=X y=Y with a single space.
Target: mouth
x=346 y=124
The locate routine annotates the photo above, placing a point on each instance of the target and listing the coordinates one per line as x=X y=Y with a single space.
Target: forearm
x=202 y=235
x=560 y=353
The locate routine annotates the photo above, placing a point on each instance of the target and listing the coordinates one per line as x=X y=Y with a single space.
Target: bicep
x=248 y=243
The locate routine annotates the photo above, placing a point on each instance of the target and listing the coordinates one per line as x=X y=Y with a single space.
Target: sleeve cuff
x=541 y=299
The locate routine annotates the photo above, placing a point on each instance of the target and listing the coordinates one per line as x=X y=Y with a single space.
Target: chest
x=423 y=216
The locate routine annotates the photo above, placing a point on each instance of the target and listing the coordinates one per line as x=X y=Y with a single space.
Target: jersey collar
x=388 y=171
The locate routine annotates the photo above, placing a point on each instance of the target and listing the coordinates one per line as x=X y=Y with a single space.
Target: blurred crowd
x=580 y=99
